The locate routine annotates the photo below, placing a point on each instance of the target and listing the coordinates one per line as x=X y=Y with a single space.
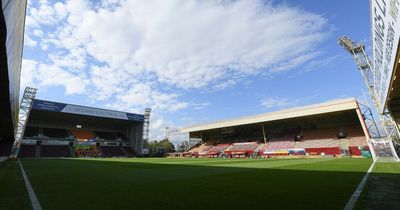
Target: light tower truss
x=146 y=129
x=23 y=116
x=357 y=50
x=369 y=120
x=171 y=132
x=176 y=135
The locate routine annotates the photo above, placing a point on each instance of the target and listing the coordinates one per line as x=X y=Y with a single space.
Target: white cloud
x=52 y=75
x=199 y=106
x=44 y=14
x=38 y=33
x=142 y=95
x=324 y=63
x=43 y=75
x=189 y=43
x=28 y=41
x=133 y=54
x=27 y=72
x=108 y=81
x=157 y=126
x=275 y=102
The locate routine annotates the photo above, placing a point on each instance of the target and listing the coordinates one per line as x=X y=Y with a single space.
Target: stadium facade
x=65 y=130
x=12 y=24
x=331 y=128
x=385 y=60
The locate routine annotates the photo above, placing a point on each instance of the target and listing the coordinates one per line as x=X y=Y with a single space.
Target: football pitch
x=160 y=183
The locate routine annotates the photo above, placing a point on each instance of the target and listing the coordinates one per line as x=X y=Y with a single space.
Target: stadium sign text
x=385 y=39
x=82 y=110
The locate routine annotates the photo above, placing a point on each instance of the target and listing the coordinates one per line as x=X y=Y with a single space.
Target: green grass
x=382 y=190
x=13 y=195
x=156 y=183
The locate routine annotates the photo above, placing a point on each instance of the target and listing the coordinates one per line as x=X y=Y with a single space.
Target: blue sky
x=193 y=61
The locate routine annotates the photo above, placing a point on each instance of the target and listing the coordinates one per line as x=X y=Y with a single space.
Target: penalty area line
x=32 y=196
x=353 y=199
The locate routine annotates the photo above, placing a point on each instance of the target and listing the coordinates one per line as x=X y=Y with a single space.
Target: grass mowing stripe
x=13 y=195
x=157 y=183
x=32 y=196
x=353 y=199
x=250 y=163
x=382 y=190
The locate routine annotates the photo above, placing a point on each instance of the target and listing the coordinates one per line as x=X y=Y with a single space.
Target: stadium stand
x=112 y=151
x=354 y=150
x=55 y=151
x=128 y=151
x=5 y=148
x=121 y=136
x=217 y=149
x=31 y=132
x=242 y=150
x=201 y=150
x=358 y=141
x=38 y=150
x=320 y=133
x=105 y=135
x=82 y=135
x=55 y=133
x=317 y=143
x=321 y=129
x=283 y=139
x=246 y=147
x=354 y=131
x=27 y=150
x=193 y=146
x=279 y=144
x=326 y=137
x=87 y=151
x=260 y=147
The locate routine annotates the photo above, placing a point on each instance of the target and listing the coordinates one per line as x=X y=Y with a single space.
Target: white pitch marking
x=32 y=196
x=353 y=199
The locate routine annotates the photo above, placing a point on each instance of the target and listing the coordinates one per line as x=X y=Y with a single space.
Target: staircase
x=38 y=151
x=72 y=151
x=124 y=151
x=228 y=148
